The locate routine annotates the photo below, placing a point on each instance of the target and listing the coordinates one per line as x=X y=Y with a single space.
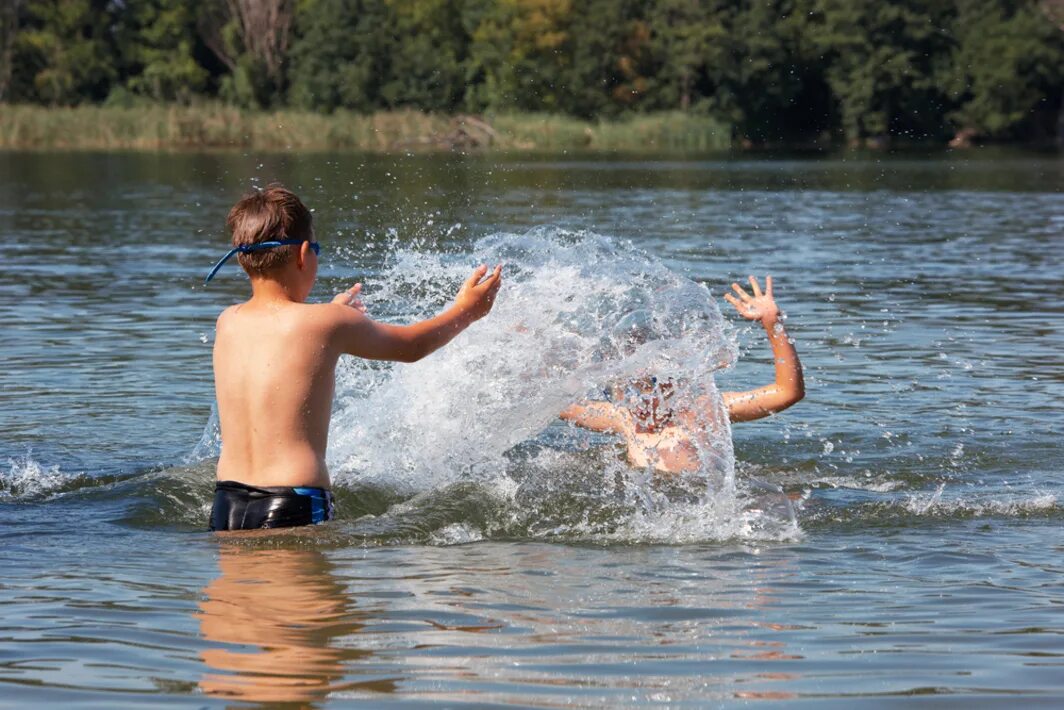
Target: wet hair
x=271 y=214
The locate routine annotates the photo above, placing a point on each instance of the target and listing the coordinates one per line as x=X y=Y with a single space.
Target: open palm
x=760 y=306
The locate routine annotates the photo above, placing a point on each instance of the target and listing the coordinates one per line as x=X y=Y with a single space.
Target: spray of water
x=578 y=313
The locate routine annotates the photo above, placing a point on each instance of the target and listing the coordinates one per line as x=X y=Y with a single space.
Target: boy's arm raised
x=595 y=416
x=361 y=336
x=789 y=386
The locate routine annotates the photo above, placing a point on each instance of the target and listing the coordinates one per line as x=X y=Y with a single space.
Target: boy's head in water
x=275 y=214
x=647 y=395
x=660 y=417
x=648 y=398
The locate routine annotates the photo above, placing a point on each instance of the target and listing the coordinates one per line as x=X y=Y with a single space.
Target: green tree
x=769 y=82
x=251 y=38
x=156 y=41
x=518 y=50
x=426 y=68
x=688 y=37
x=881 y=60
x=612 y=58
x=340 y=55
x=62 y=53
x=9 y=15
x=1008 y=63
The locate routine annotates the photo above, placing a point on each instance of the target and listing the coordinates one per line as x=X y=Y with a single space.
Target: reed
x=217 y=126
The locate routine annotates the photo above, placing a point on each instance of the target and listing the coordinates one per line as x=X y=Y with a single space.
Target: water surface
x=925 y=300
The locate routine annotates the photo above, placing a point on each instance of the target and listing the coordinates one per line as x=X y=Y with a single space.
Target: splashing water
x=561 y=330
x=577 y=313
x=25 y=478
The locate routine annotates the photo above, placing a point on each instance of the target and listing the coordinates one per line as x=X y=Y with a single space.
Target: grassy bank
x=218 y=127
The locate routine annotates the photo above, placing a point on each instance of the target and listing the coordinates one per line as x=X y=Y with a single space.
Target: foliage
x=777 y=71
x=995 y=97
x=216 y=125
x=61 y=52
x=155 y=42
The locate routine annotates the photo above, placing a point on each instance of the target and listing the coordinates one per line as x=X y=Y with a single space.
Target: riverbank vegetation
x=383 y=74
x=214 y=125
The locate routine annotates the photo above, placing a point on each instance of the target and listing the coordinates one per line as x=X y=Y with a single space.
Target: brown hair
x=269 y=215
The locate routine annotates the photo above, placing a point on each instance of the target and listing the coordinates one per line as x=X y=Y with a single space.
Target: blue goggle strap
x=247 y=249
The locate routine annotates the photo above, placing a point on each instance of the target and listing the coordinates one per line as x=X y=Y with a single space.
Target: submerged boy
x=274 y=361
x=670 y=436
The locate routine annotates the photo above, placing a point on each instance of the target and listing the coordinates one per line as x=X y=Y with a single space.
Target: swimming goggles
x=261 y=246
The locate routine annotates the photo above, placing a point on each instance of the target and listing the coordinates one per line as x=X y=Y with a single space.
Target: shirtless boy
x=666 y=437
x=275 y=357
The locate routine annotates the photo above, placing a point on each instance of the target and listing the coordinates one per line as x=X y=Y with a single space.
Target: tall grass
x=211 y=126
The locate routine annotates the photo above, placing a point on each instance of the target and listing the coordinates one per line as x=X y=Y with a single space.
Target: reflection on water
x=280 y=614
x=282 y=626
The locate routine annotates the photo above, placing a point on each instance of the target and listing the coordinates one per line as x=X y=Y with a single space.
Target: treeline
x=778 y=71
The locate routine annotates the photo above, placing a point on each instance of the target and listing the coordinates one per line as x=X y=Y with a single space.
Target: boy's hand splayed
x=350 y=298
x=760 y=306
x=476 y=297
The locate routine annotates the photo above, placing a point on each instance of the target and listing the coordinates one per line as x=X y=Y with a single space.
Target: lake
x=902 y=544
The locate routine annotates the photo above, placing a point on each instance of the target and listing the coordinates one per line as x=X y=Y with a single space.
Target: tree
x=426 y=67
x=251 y=37
x=688 y=36
x=517 y=53
x=880 y=63
x=9 y=13
x=611 y=58
x=340 y=56
x=156 y=41
x=999 y=98
x=62 y=52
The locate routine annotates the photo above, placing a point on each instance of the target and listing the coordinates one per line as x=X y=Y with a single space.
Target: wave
x=560 y=499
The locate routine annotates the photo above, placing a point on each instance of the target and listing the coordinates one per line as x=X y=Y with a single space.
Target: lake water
x=925 y=467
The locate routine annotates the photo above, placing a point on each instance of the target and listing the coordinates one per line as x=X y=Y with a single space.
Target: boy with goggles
x=275 y=357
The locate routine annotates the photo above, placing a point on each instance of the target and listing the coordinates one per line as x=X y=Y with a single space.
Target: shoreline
x=217 y=127
x=221 y=128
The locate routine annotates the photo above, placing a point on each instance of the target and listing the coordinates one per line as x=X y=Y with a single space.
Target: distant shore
x=216 y=126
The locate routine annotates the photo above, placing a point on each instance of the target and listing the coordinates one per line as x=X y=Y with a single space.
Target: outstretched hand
x=760 y=306
x=477 y=296
x=350 y=298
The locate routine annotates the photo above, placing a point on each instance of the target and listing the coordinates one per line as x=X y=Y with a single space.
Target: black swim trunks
x=241 y=507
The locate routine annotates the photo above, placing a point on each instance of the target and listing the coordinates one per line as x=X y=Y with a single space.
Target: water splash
x=27 y=479
x=578 y=312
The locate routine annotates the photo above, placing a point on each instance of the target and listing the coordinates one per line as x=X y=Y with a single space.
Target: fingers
x=493 y=281
x=350 y=298
x=768 y=286
x=755 y=286
x=474 y=279
x=739 y=290
x=733 y=300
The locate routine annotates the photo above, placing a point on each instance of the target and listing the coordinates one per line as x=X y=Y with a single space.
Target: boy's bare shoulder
x=228 y=314
x=335 y=313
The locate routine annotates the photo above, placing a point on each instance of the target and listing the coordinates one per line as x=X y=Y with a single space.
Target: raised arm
x=358 y=335
x=789 y=386
x=595 y=416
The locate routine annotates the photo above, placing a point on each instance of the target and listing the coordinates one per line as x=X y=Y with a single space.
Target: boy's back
x=275 y=359
x=274 y=370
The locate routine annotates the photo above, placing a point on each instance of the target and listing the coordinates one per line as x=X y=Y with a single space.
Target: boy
x=666 y=438
x=275 y=357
